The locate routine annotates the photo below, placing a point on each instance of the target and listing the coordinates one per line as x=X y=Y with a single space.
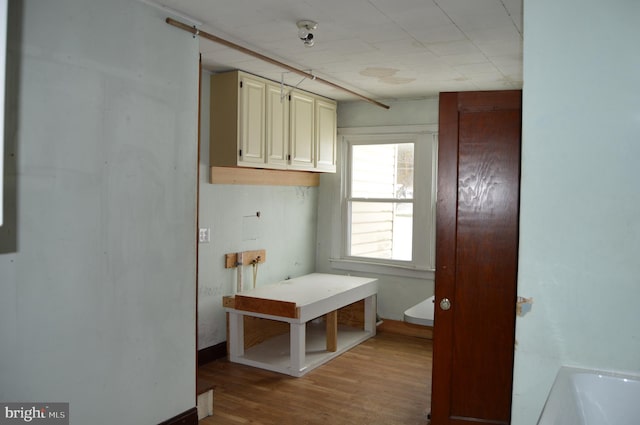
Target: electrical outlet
x=204 y=235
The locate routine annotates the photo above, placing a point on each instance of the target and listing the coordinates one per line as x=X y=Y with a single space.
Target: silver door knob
x=445 y=304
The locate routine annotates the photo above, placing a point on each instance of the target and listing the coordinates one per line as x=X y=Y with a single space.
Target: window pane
x=381 y=230
x=382 y=171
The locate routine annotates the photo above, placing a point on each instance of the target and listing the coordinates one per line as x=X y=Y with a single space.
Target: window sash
x=367 y=181
x=350 y=200
x=424 y=138
x=376 y=230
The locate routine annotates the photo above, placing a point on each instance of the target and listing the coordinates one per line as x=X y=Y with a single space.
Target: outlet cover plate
x=204 y=235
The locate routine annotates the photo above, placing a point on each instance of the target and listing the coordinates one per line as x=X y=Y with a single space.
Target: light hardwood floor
x=384 y=381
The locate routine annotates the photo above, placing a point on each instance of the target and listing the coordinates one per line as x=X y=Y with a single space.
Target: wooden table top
x=286 y=298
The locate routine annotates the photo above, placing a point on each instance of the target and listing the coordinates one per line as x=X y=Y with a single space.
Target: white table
x=298 y=302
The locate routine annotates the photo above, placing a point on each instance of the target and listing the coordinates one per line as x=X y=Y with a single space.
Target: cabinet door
x=251 y=140
x=302 y=132
x=325 y=136
x=277 y=127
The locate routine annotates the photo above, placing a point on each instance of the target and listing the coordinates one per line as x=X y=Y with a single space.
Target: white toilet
x=421 y=314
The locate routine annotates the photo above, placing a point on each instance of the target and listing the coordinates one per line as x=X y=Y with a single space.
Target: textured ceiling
x=383 y=49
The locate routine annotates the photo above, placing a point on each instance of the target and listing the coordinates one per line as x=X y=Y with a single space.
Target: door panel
x=252 y=122
x=476 y=257
x=326 y=135
x=302 y=131
x=277 y=123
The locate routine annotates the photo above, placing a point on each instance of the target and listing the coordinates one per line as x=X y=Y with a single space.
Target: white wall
x=395 y=294
x=286 y=229
x=401 y=112
x=97 y=300
x=580 y=201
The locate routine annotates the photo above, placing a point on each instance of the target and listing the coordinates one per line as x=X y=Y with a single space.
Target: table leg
x=370 y=314
x=297 y=341
x=332 y=331
x=236 y=335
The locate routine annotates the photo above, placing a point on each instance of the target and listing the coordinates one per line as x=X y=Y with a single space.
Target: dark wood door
x=476 y=257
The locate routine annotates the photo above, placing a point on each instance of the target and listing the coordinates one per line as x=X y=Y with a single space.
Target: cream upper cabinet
x=325 y=126
x=277 y=135
x=302 y=131
x=262 y=124
x=237 y=133
x=313 y=133
x=251 y=140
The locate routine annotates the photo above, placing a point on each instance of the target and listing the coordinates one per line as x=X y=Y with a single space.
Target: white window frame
x=425 y=142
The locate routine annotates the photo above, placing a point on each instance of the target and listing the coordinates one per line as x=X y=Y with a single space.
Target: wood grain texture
x=248 y=257
x=229 y=301
x=405 y=328
x=260 y=177
x=265 y=306
x=214 y=352
x=203 y=385
x=445 y=247
x=476 y=256
x=384 y=381
x=332 y=331
x=257 y=330
x=352 y=315
x=189 y=417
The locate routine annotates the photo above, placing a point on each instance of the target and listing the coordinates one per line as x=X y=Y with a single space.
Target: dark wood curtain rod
x=227 y=43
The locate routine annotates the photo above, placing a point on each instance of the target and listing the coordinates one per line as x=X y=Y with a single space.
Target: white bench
x=299 y=302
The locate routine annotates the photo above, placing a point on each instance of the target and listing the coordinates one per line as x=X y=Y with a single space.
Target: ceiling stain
x=396 y=80
x=378 y=72
x=386 y=75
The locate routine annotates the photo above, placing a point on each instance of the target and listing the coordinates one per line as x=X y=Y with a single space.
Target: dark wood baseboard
x=190 y=417
x=215 y=352
x=405 y=328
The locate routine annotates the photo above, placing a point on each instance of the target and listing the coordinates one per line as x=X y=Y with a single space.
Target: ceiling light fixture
x=304 y=32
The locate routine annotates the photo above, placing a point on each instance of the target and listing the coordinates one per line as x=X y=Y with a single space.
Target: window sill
x=383 y=269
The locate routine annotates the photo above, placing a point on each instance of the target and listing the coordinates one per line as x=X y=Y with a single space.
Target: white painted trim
x=381 y=268
x=389 y=129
